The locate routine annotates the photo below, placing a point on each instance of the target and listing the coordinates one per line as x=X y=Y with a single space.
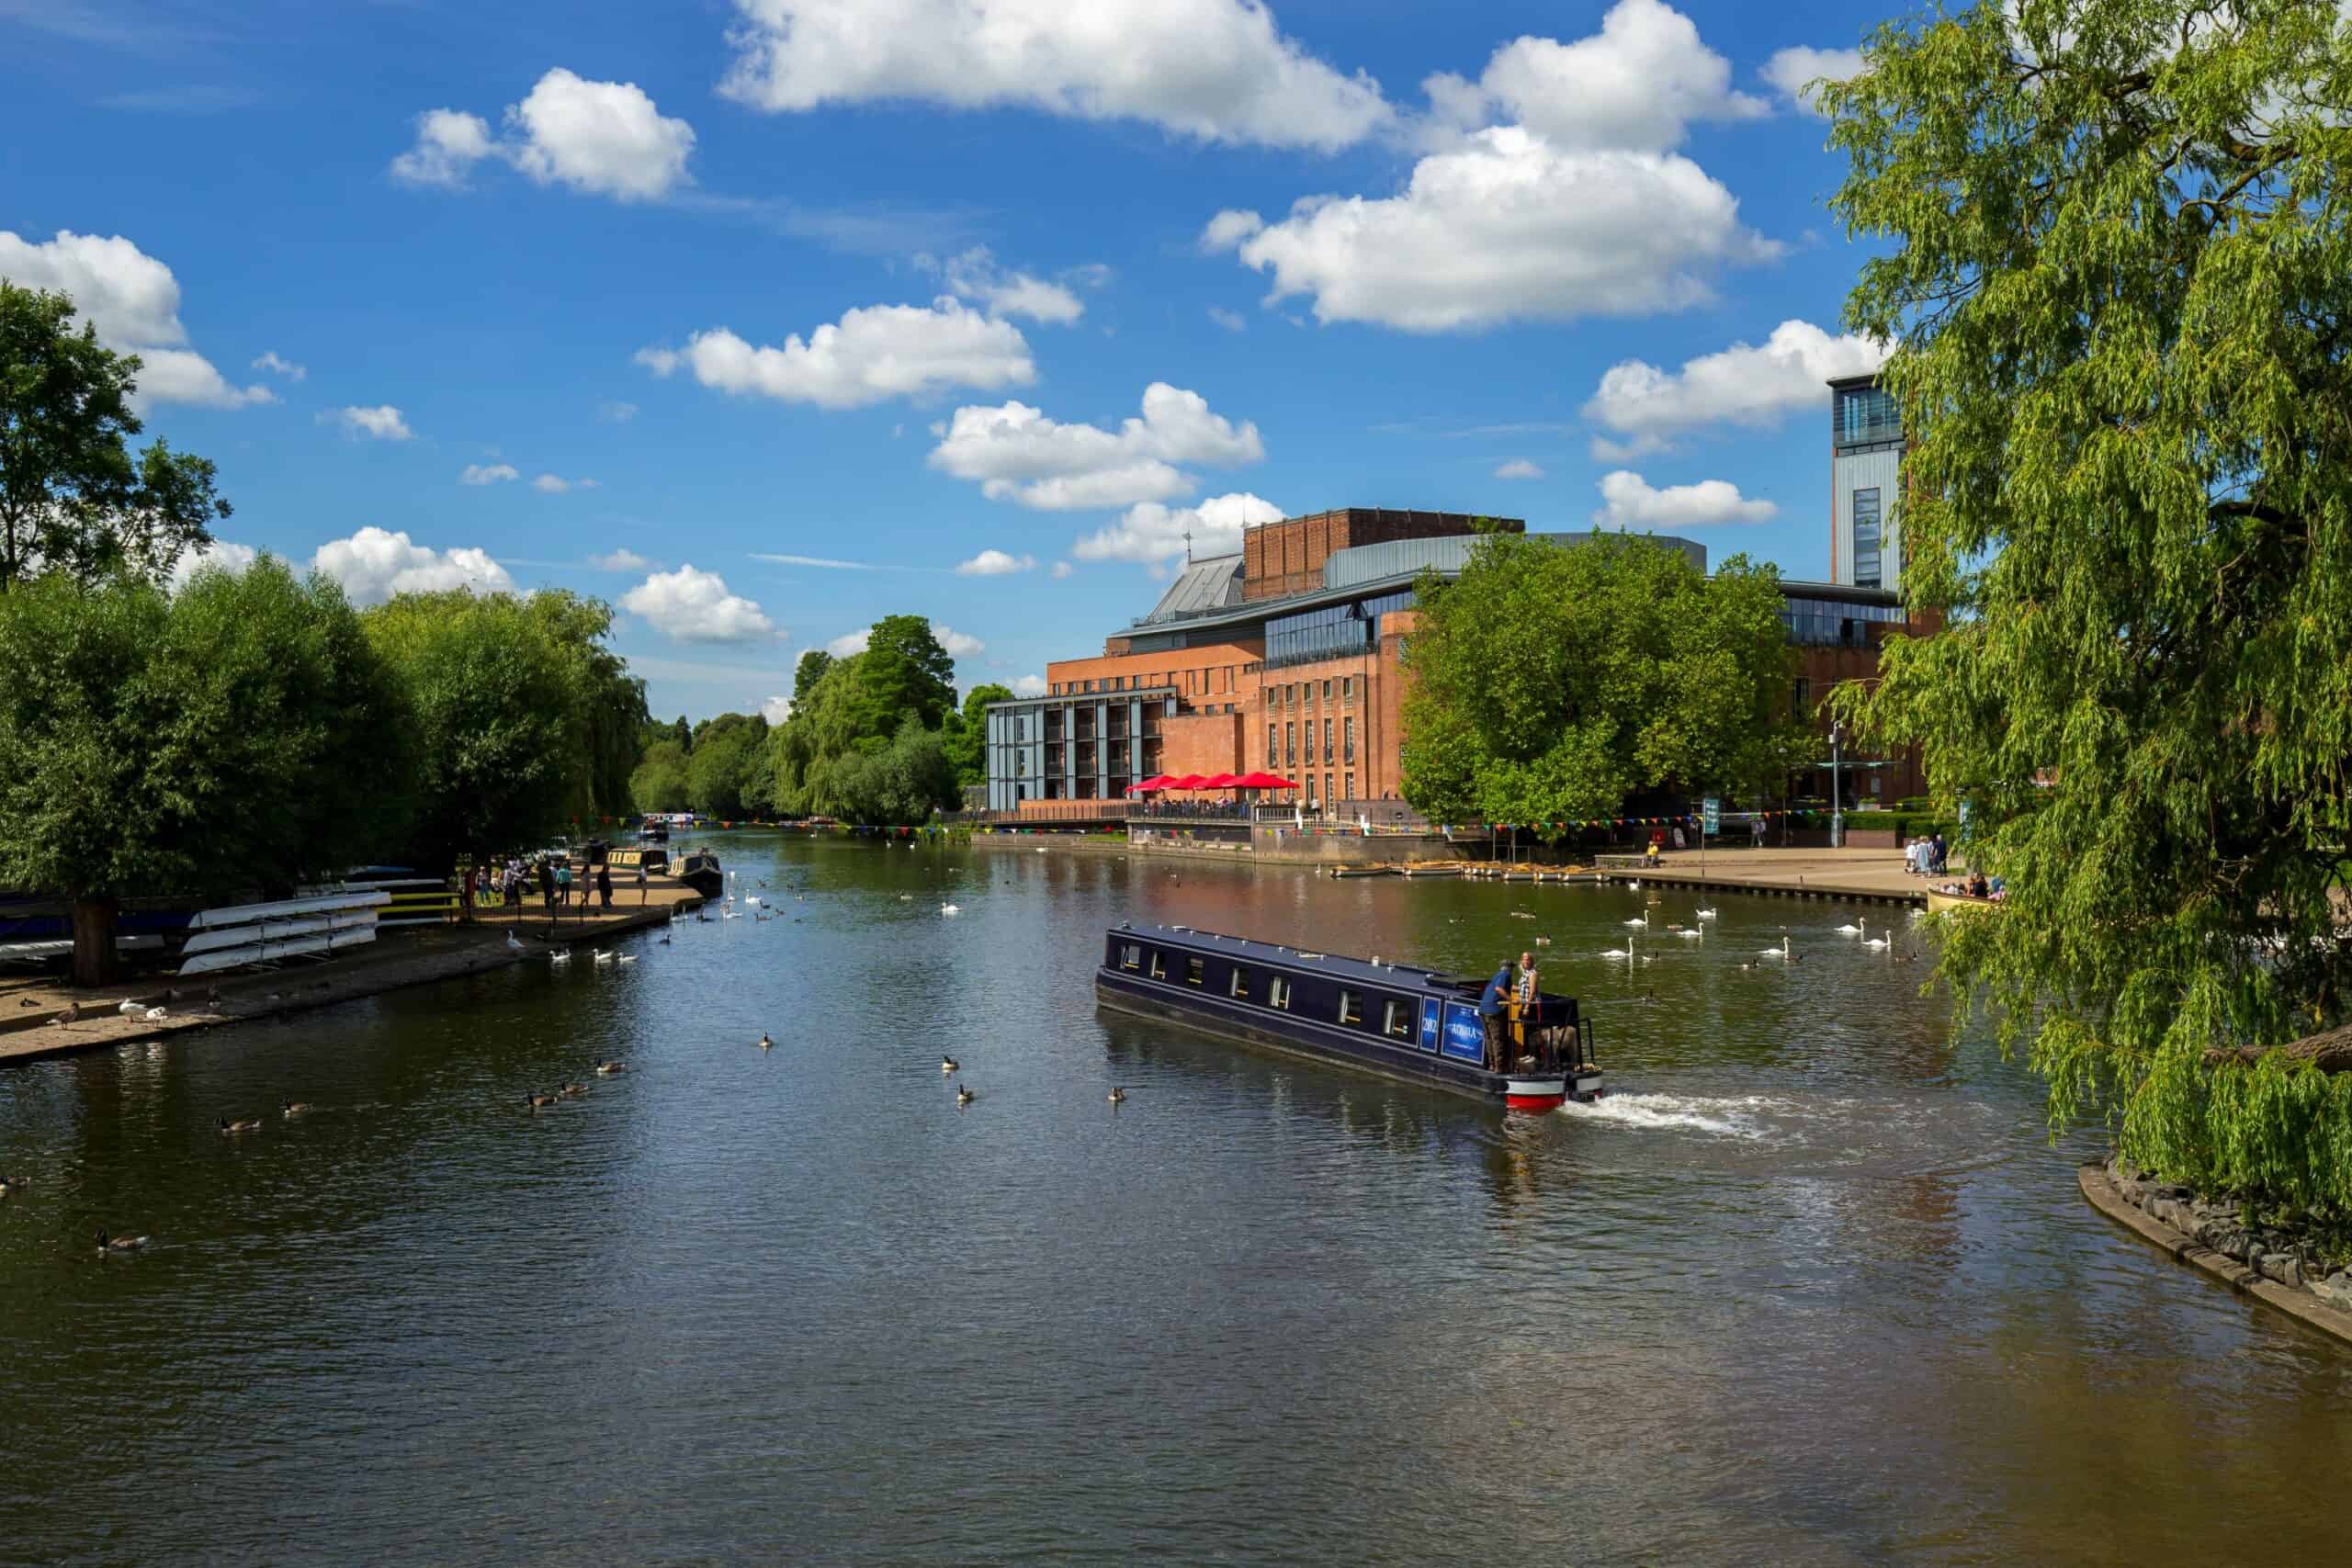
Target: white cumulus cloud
x=775 y=710
x=276 y=364
x=383 y=422
x=995 y=563
x=975 y=275
x=605 y=138
x=229 y=558
x=487 y=473
x=1519 y=468
x=556 y=484
x=1062 y=569
x=1231 y=320
x=1015 y=453
x=1630 y=501
x=1746 y=384
x=1154 y=534
x=871 y=354
x=617 y=412
x=622 y=560
x=1029 y=687
x=1792 y=71
x=133 y=302
x=1638 y=83
x=373 y=565
x=694 y=606
x=1211 y=70
x=1508 y=227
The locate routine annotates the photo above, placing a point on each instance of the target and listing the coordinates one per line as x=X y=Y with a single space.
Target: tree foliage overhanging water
x=2118 y=277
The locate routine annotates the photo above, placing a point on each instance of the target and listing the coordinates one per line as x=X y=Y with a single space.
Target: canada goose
x=513 y=942
x=1542 y=942
x=947 y=1065
x=965 y=1096
x=72 y=1013
x=538 y=1101
x=572 y=1090
x=1118 y=1097
x=606 y=1070
x=212 y=999
x=766 y=1043
x=119 y=1243
x=297 y=1108
x=662 y=941
x=1744 y=964
x=9 y=1184
x=252 y=1124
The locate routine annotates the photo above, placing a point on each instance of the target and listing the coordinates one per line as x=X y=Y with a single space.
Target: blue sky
x=1023 y=288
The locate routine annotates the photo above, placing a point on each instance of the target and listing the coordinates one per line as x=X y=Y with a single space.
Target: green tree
x=496 y=719
x=2117 y=257
x=1549 y=683
x=658 y=783
x=808 y=672
x=241 y=734
x=965 y=736
x=608 y=703
x=904 y=671
x=721 y=769
x=73 y=497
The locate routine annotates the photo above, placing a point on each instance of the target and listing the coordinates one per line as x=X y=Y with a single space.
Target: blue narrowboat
x=1413 y=1025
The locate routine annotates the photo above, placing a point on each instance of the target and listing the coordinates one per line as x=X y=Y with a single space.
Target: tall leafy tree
x=73 y=496
x=721 y=769
x=1549 y=683
x=965 y=736
x=658 y=783
x=2115 y=248
x=608 y=703
x=808 y=672
x=904 y=671
x=240 y=735
x=496 y=719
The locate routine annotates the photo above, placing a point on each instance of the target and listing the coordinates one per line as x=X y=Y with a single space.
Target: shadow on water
x=1810 y=1286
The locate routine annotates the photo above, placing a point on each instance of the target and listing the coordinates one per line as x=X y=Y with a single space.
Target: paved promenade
x=405 y=955
x=1864 y=874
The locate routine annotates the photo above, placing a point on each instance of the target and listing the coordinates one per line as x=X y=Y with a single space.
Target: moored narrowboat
x=700 y=872
x=1413 y=1025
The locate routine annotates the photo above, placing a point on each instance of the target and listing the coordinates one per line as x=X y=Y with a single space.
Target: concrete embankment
x=400 y=957
x=2266 y=1264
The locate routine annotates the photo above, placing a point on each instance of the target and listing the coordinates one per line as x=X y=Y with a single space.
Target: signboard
x=1465 y=1037
x=1712 y=816
x=1429 y=1025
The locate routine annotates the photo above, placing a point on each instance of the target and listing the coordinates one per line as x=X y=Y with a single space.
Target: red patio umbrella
x=1157 y=782
x=1262 y=781
x=1190 y=781
x=1220 y=780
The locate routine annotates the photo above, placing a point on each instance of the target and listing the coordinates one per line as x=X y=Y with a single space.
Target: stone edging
x=2297 y=1303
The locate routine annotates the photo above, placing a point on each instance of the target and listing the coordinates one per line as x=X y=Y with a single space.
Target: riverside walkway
x=1876 y=874
x=405 y=955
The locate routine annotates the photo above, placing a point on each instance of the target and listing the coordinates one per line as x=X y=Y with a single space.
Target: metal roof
x=1203 y=586
x=1407 y=975
x=1451 y=554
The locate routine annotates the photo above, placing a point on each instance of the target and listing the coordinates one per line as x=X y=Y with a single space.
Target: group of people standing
x=1509 y=995
x=1925 y=857
x=507 y=883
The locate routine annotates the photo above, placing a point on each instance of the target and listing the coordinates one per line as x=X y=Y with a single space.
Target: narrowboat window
x=1159 y=965
x=1350 y=1007
x=1130 y=956
x=1278 y=993
x=1396 y=1020
x=1194 y=972
x=1240 y=986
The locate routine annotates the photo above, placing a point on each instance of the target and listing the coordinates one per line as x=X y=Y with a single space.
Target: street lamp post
x=1836 y=796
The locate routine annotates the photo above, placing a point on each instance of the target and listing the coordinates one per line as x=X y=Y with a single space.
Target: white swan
x=1689 y=933
x=1636 y=886
x=1876 y=942
x=603 y=956
x=1780 y=951
x=1854 y=930
x=562 y=955
x=1643 y=922
x=1706 y=914
x=1624 y=951
x=951 y=909
x=629 y=957
x=512 y=944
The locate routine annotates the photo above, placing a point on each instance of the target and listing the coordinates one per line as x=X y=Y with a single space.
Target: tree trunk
x=94 y=963
x=2330 y=1051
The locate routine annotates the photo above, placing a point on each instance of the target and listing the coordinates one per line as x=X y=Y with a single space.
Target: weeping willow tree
x=2116 y=262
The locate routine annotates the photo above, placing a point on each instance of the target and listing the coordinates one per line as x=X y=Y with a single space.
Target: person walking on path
x=547 y=888
x=640 y=882
x=605 y=886
x=563 y=882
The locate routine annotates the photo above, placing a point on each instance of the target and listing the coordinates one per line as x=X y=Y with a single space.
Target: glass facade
x=1335 y=632
x=1866 y=538
x=1863 y=416
x=1832 y=623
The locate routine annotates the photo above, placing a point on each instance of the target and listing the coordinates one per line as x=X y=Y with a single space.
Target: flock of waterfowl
x=1784 y=952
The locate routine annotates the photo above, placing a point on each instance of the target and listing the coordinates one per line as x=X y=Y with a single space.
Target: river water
x=1812 y=1286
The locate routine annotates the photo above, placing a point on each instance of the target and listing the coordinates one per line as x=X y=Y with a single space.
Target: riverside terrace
x=1222 y=677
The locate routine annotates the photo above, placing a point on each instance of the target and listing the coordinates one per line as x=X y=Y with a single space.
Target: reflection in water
x=1809 y=1286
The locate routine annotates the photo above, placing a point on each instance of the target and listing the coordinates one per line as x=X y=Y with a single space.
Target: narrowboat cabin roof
x=1308 y=959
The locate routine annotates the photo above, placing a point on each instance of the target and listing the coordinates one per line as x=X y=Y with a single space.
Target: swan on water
x=1854 y=930
x=1643 y=922
x=1706 y=913
x=513 y=944
x=1624 y=951
x=1780 y=951
x=1876 y=942
x=951 y=909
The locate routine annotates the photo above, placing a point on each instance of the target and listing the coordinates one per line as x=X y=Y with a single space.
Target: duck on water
x=1413 y=1025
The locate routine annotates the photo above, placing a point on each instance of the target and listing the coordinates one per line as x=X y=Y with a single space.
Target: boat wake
x=1723 y=1118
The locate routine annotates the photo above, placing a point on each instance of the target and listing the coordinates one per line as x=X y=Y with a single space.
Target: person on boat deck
x=1490 y=1013
x=1524 y=993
